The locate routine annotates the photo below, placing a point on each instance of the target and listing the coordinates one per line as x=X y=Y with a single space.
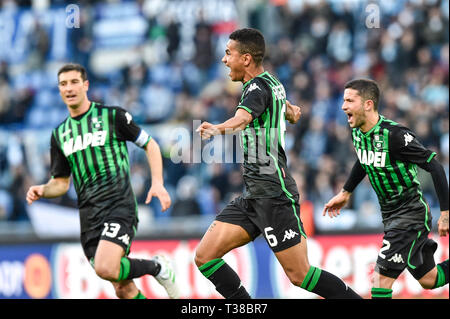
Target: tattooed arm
x=443 y=223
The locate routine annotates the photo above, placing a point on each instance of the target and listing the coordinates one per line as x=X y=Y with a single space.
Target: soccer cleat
x=166 y=277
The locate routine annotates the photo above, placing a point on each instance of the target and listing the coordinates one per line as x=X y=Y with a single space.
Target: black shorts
x=277 y=218
x=119 y=230
x=411 y=249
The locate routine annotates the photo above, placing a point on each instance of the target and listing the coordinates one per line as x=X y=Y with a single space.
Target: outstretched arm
x=441 y=186
x=293 y=112
x=157 y=189
x=235 y=124
x=55 y=187
x=333 y=207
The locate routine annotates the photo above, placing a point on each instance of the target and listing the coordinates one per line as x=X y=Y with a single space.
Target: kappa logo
x=125 y=239
x=408 y=138
x=129 y=117
x=253 y=86
x=289 y=234
x=397 y=258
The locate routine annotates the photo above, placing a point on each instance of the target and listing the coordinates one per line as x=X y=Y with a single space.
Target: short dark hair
x=73 y=67
x=251 y=41
x=367 y=89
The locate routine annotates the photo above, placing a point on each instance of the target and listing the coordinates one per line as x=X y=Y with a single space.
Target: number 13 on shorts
x=111 y=230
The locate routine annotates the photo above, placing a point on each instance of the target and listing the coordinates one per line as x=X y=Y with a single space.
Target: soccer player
x=270 y=203
x=389 y=153
x=90 y=145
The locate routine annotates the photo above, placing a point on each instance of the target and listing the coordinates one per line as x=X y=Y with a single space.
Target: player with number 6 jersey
x=265 y=167
x=270 y=203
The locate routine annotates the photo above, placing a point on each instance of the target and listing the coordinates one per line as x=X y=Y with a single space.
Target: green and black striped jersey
x=389 y=153
x=265 y=165
x=92 y=148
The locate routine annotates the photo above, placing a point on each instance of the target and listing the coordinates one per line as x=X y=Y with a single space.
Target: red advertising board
x=352 y=258
x=62 y=271
x=75 y=278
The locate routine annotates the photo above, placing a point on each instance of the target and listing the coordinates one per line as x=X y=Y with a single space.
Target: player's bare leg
x=436 y=277
x=107 y=260
x=111 y=264
x=294 y=261
x=429 y=279
x=381 y=286
x=218 y=240
x=127 y=289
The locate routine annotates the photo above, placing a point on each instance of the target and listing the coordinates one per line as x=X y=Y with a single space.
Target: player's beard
x=359 y=118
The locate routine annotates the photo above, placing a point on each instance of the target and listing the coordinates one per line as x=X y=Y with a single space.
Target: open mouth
x=71 y=96
x=349 y=117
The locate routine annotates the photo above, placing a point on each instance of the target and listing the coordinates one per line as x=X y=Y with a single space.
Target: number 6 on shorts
x=271 y=238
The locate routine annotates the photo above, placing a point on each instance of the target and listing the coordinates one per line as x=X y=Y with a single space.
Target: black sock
x=134 y=268
x=327 y=285
x=442 y=274
x=227 y=282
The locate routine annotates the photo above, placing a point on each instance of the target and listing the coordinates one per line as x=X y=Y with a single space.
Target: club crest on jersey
x=96 y=123
x=378 y=142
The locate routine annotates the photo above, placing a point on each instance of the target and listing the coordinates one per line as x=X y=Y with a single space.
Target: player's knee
x=199 y=258
x=106 y=272
x=428 y=280
x=121 y=293
x=296 y=280
x=125 y=292
x=296 y=276
x=427 y=283
x=202 y=257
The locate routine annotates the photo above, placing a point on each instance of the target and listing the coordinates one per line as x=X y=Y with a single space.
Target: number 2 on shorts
x=386 y=246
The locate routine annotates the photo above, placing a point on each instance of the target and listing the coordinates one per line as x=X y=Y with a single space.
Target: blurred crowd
x=313 y=47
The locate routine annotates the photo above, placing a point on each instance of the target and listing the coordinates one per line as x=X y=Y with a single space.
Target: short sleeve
x=59 y=165
x=255 y=98
x=406 y=147
x=128 y=130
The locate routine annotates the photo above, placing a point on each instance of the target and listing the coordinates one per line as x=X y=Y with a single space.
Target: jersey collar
x=247 y=83
x=381 y=118
x=79 y=117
